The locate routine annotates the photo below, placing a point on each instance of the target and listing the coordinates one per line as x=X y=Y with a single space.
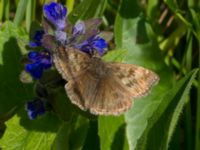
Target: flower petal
x=35 y=69
x=79 y=28
x=55 y=13
x=37 y=39
x=100 y=43
x=33 y=55
x=35 y=108
x=61 y=36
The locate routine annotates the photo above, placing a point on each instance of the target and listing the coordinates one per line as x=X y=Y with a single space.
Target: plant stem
x=197 y=138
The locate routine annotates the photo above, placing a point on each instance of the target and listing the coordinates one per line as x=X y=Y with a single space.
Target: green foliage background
x=160 y=35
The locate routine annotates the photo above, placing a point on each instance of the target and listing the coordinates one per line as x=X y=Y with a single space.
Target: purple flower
x=61 y=36
x=55 y=13
x=84 y=35
x=37 y=39
x=40 y=61
x=91 y=44
x=35 y=108
x=79 y=28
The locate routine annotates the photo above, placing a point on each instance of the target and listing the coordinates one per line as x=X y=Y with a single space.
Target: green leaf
x=172 y=4
x=151 y=7
x=87 y=9
x=195 y=22
x=72 y=135
x=1 y=10
x=12 y=92
x=109 y=130
x=163 y=122
x=22 y=133
x=21 y=8
x=62 y=137
x=78 y=133
x=30 y=13
x=135 y=34
x=115 y=55
x=92 y=139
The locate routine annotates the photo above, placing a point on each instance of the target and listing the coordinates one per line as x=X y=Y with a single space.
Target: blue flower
x=91 y=44
x=55 y=13
x=37 y=39
x=84 y=35
x=35 y=108
x=40 y=61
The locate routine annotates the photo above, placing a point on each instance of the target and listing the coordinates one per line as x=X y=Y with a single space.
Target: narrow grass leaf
x=21 y=8
x=87 y=9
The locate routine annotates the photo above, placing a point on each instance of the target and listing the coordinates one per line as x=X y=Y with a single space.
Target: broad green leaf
x=135 y=34
x=78 y=133
x=72 y=135
x=92 y=139
x=115 y=55
x=61 y=104
x=87 y=9
x=62 y=137
x=163 y=122
x=109 y=129
x=22 y=133
x=12 y=92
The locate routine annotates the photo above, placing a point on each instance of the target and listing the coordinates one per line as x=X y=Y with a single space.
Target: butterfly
x=103 y=88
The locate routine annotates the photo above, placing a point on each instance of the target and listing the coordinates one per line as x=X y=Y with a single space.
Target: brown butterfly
x=101 y=87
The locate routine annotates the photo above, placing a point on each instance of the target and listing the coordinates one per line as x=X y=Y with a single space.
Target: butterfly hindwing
x=105 y=96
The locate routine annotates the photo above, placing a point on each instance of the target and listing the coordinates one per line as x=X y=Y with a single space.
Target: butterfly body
x=101 y=87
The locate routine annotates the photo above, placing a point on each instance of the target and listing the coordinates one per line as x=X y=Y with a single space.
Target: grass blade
x=30 y=13
x=20 y=12
x=197 y=138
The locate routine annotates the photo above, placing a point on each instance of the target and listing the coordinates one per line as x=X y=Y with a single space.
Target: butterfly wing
x=105 y=96
x=138 y=80
x=98 y=91
x=70 y=62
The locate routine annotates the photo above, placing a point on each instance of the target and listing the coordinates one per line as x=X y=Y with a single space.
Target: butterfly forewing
x=138 y=80
x=70 y=62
